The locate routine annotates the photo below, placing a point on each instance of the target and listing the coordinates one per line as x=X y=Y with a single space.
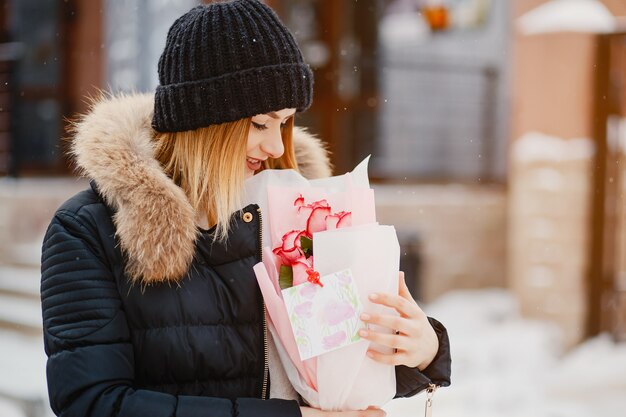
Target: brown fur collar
x=113 y=146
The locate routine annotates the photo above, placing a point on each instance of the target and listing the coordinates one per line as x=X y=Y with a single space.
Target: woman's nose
x=273 y=144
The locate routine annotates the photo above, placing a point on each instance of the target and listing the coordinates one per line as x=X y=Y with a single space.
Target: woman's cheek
x=254 y=140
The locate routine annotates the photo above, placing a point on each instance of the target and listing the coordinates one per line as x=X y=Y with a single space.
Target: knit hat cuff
x=233 y=96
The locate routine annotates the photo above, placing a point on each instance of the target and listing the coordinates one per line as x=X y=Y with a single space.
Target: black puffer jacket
x=123 y=336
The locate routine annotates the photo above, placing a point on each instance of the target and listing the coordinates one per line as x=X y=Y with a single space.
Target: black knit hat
x=226 y=61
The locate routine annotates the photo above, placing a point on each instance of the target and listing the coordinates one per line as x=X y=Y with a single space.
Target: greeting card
x=324 y=316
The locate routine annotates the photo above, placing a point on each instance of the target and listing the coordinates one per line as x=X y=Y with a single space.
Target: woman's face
x=265 y=139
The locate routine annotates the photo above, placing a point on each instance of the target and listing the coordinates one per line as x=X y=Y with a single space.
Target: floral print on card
x=324 y=318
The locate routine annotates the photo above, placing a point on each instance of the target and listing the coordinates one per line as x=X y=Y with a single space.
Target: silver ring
x=397 y=332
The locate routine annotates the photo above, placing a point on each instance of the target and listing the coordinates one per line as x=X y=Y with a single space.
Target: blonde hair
x=208 y=164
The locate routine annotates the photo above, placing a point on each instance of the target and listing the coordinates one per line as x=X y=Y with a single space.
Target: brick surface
x=461 y=230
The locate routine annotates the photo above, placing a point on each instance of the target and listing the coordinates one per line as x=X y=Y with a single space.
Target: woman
x=150 y=303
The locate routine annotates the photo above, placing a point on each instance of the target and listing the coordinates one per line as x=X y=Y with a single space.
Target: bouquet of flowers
x=323 y=254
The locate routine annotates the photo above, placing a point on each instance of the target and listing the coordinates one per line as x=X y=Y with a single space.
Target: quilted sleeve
x=410 y=381
x=90 y=368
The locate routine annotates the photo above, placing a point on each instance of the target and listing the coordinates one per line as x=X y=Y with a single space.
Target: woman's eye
x=259 y=126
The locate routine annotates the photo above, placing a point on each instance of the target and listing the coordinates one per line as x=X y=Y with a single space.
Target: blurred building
x=566 y=223
x=427 y=109
x=497 y=137
x=498 y=149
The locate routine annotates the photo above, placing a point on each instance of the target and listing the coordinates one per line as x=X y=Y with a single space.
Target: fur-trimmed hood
x=113 y=146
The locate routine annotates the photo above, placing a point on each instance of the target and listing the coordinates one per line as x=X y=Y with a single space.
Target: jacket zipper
x=265 y=342
x=430 y=391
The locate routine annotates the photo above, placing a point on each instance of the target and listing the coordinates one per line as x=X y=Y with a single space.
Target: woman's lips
x=253 y=164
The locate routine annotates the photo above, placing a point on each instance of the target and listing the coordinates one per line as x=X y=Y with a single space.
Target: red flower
x=317 y=220
x=306 y=210
x=287 y=257
x=337 y=220
x=300 y=268
x=290 y=249
x=320 y=203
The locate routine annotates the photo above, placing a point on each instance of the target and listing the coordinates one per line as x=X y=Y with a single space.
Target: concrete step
x=26 y=207
x=23 y=375
x=20 y=314
x=11 y=406
x=21 y=282
x=22 y=359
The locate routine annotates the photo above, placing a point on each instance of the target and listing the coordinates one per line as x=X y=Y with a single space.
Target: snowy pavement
x=23 y=390
x=503 y=365
x=20 y=306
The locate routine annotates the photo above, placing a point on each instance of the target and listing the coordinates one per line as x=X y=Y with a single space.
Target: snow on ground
x=537 y=146
x=568 y=16
x=23 y=390
x=23 y=364
x=9 y=409
x=503 y=365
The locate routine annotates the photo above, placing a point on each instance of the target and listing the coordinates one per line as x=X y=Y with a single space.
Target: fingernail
x=363 y=333
x=373 y=296
x=365 y=316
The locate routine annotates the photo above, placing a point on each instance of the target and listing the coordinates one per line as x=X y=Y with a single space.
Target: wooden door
x=56 y=62
x=339 y=39
x=607 y=279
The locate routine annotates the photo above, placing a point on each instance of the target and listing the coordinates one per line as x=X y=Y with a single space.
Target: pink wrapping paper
x=345 y=379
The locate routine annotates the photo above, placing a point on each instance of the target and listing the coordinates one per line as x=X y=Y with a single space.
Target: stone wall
x=460 y=231
x=26 y=207
x=549 y=230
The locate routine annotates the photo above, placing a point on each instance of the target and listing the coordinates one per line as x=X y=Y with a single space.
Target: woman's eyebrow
x=274 y=115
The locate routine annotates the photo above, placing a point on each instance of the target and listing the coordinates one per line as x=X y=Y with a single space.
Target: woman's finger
x=405 y=307
x=370 y=412
x=398 y=323
x=394 y=359
x=395 y=341
x=403 y=290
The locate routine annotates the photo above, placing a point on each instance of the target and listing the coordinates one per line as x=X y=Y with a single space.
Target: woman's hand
x=370 y=412
x=415 y=342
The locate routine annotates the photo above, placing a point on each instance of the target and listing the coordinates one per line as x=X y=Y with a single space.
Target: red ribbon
x=314 y=277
